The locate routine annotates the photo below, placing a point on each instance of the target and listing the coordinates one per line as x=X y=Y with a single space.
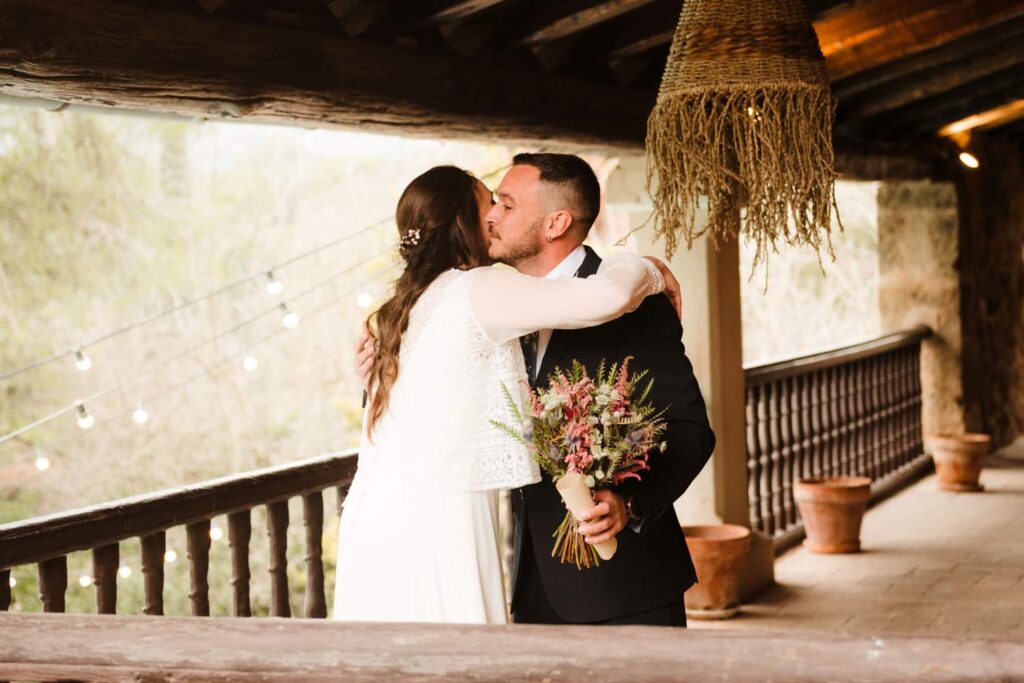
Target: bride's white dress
x=418 y=539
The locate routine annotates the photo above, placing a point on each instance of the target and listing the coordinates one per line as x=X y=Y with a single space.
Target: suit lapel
x=560 y=338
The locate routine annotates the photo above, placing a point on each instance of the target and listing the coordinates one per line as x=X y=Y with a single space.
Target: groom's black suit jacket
x=652 y=567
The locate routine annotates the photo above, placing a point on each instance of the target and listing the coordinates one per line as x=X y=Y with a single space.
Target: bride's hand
x=672 y=289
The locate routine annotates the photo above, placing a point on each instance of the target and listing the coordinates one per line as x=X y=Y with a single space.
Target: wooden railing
x=46 y=541
x=855 y=410
x=48 y=647
x=849 y=411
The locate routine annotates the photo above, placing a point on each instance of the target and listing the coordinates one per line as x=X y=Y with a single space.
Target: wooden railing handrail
x=791 y=367
x=41 y=538
x=50 y=647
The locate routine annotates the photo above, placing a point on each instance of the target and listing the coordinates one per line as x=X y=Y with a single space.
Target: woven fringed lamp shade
x=743 y=118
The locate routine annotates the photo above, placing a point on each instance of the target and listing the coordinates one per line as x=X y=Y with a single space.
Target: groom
x=545 y=206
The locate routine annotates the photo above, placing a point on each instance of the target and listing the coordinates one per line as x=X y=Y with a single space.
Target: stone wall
x=919 y=285
x=992 y=287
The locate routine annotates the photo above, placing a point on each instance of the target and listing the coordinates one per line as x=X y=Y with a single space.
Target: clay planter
x=717 y=552
x=958 y=459
x=832 y=509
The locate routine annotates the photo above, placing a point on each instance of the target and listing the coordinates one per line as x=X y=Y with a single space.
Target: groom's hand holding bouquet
x=588 y=434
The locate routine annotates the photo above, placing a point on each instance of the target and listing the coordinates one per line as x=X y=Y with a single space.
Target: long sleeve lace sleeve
x=508 y=304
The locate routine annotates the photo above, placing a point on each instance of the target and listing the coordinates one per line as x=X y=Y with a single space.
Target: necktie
x=529 y=344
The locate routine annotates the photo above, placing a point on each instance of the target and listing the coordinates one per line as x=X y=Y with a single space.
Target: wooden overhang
x=582 y=73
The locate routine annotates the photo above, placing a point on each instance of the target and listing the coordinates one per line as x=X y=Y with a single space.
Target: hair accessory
x=411 y=239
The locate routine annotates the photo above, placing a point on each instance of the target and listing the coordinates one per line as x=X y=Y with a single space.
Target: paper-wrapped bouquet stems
x=578 y=498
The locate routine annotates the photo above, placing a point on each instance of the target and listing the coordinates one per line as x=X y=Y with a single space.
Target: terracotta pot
x=717 y=552
x=959 y=459
x=832 y=509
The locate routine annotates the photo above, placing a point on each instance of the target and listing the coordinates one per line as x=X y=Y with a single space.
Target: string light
x=189 y=351
x=140 y=415
x=216 y=533
x=85 y=419
x=289 y=319
x=250 y=362
x=170 y=556
x=364 y=300
x=42 y=463
x=206 y=372
x=82 y=361
x=969 y=160
x=274 y=286
x=13 y=581
x=125 y=571
x=84 y=580
x=40 y=362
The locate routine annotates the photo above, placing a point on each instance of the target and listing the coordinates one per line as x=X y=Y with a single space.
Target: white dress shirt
x=567 y=268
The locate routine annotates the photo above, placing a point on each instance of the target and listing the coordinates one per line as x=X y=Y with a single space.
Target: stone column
x=919 y=284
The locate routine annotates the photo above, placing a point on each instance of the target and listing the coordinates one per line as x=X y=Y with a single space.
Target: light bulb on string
x=84 y=580
x=274 y=286
x=216 y=533
x=289 y=319
x=85 y=418
x=170 y=556
x=125 y=571
x=140 y=415
x=42 y=463
x=82 y=361
x=250 y=362
x=12 y=582
x=364 y=300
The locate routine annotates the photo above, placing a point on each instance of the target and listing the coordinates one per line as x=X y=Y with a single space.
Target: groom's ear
x=558 y=224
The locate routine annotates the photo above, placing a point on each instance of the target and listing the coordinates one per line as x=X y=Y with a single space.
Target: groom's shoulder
x=656 y=313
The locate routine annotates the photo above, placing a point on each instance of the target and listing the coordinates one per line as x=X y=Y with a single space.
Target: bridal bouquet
x=587 y=433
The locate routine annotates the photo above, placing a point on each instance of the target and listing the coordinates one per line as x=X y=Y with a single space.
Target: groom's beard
x=527 y=246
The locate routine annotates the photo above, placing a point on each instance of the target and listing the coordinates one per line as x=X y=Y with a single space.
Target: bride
x=418 y=539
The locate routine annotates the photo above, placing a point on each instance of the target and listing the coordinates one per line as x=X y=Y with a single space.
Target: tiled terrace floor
x=934 y=563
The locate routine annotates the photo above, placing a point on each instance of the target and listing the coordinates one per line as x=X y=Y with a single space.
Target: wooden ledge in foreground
x=48 y=647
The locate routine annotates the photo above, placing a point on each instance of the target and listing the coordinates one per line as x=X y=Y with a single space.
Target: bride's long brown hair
x=439 y=229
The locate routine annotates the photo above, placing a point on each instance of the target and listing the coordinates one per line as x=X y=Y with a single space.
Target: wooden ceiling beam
x=655 y=26
x=873 y=32
x=462 y=10
x=639 y=32
x=641 y=45
x=466 y=38
x=992 y=118
x=1014 y=129
x=199 y=66
x=929 y=115
x=991 y=100
x=358 y=16
x=942 y=56
x=582 y=20
x=934 y=82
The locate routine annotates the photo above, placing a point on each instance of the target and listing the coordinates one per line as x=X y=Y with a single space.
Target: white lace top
x=461 y=346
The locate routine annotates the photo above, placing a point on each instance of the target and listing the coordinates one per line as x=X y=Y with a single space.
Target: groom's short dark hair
x=574 y=178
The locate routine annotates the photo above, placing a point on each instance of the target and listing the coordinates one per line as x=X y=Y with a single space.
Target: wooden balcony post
x=198 y=549
x=277 y=529
x=313 y=519
x=5 y=589
x=154 y=546
x=105 y=563
x=53 y=583
x=239 y=533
